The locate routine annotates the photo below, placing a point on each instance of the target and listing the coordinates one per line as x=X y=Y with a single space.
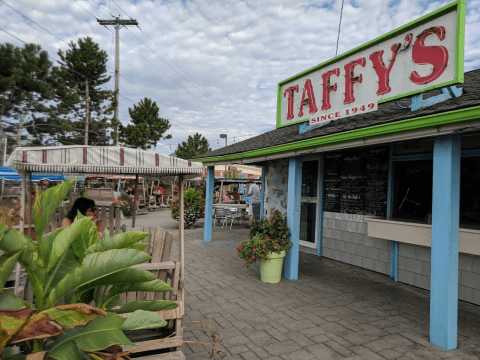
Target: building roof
x=387 y=113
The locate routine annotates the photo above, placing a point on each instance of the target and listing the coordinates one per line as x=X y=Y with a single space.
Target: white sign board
x=422 y=57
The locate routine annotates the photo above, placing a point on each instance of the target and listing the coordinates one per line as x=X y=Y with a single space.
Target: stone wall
x=276 y=186
x=345 y=239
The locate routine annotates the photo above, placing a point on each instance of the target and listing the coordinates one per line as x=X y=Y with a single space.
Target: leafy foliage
x=124 y=203
x=25 y=88
x=194 y=146
x=266 y=236
x=147 y=128
x=194 y=208
x=83 y=65
x=69 y=264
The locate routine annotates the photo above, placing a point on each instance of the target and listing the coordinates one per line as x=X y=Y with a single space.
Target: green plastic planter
x=271 y=270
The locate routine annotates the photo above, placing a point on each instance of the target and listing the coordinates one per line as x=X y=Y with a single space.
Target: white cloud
x=228 y=55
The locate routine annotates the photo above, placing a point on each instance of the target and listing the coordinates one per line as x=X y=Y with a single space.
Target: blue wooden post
x=207 y=230
x=445 y=224
x=293 y=216
x=262 y=193
x=320 y=205
x=394 y=244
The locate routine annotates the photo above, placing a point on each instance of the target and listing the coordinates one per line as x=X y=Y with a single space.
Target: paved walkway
x=334 y=311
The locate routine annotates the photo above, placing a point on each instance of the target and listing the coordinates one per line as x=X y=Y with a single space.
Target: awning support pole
x=207 y=230
x=134 y=215
x=293 y=216
x=445 y=228
x=181 y=235
x=22 y=226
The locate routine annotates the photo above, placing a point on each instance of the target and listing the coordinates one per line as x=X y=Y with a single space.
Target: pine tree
x=147 y=128
x=25 y=89
x=194 y=146
x=81 y=102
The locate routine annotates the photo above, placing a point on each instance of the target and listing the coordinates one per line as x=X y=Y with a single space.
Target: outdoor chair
x=230 y=215
x=219 y=214
x=160 y=245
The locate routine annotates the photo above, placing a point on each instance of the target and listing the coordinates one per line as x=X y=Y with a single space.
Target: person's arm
x=66 y=222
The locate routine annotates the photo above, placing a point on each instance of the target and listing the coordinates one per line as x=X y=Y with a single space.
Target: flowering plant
x=194 y=208
x=125 y=203
x=266 y=237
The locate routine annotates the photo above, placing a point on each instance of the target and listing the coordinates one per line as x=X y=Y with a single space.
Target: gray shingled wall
x=345 y=239
x=414 y=269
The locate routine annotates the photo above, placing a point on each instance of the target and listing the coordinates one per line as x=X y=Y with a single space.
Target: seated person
x=225 y=197
x=86 y=208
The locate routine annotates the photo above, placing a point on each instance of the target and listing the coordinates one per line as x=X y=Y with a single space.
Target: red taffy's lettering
x=327 y=88
x=383 y=73
x=309 y=99
x=437 y=56
x=290 y=91
x=350 y=79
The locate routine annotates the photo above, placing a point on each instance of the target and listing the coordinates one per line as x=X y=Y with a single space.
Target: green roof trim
x=459 y=6
x=418 y=123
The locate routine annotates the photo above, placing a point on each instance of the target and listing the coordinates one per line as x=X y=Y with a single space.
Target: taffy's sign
x=425 y=54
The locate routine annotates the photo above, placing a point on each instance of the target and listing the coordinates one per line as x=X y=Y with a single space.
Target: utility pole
x=117 y=22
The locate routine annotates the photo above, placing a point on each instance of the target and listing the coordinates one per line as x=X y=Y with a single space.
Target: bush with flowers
x=194 y=208
x=266 y=237
x=124 y=203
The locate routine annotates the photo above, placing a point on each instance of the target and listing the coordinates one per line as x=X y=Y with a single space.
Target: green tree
x=25 y=87
x=147 y=128
x=83 y=111
x=194 y=146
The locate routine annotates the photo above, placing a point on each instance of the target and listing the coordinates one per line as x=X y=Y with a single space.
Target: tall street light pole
x=117 y=22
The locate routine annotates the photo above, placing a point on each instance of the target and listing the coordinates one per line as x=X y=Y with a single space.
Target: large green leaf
x=13 y=241
x=148 y=305
x=7 y=264
x=118 y=241
x=141 y=319
x=65 y=238
x=156 y=285
x=125 y=276
x=96 y=335
x=8 y=301
x=94 y=267
x=46 y=204
x=45 y=247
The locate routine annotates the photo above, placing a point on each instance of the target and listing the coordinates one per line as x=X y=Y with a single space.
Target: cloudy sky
x=213 y=66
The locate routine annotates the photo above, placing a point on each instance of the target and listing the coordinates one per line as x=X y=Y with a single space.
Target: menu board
x=356 y=181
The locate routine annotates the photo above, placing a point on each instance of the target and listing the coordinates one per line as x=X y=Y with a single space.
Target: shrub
x=125 y=203
x=194 y=208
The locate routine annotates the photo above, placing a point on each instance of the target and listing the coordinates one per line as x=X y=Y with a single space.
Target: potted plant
x=268 y=243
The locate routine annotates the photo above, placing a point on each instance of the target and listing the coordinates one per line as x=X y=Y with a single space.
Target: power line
x=199 y=87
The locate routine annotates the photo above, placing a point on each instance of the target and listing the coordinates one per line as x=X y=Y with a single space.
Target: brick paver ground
x=334 y=310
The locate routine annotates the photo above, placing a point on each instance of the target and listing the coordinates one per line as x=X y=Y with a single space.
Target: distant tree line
x=69 y=104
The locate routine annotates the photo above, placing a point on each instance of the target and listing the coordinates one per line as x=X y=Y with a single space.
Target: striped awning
x=99 y=160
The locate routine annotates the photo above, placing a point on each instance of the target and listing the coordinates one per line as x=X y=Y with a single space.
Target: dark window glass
x=413 y=189
x=309 y=178
x=308 y=217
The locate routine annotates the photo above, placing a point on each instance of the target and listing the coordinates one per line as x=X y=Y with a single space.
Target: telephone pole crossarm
x=120 y=22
